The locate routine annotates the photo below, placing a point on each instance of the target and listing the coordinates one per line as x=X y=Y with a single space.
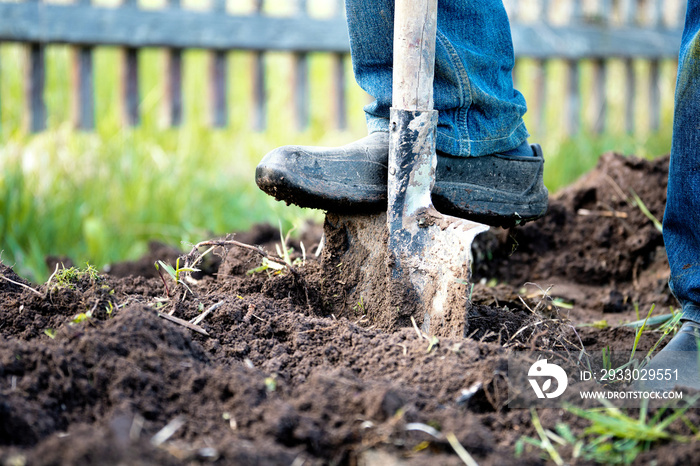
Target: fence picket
x=630 y=94
x=83 y=84
x=172 y=100
x=259 y=92
x=600 y=77
x=130 y=78
x=130 y=87
x=259 y=82
x=36 y=80
x=629 y=17
x=301 y=90
x=83 y=89
x=655 y=20
x=219 y=87
x=599 y=95
x=301 y=80
x=339 y=81
x=654 y=95
x=219 y=79
x=173 y=87
x=537 y=104
x=541 y=66
x=34 y=85
x=339 y=88
x=573 y=107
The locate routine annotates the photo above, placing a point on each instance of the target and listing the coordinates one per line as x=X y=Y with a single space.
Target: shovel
x=428 y=253
x=410 y=263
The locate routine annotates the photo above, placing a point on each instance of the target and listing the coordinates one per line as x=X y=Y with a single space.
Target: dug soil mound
x=246 y=362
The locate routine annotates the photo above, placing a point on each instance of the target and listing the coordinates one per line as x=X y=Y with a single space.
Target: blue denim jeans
x=682 y=216
x=479 y=110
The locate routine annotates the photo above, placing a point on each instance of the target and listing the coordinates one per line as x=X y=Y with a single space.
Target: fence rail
x=546 y=30
x=130 y=26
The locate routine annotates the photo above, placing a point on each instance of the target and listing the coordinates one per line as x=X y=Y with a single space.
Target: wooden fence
x=574 y=31
x=598 y=32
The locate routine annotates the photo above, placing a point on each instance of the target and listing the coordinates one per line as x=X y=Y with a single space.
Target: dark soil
x=286 y=377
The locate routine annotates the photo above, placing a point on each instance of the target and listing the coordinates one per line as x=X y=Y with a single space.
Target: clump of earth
x=235 y=366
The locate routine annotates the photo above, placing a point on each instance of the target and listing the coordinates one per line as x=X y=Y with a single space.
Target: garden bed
x=282 y=376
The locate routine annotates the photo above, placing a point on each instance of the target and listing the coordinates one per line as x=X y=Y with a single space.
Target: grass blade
x=638 y=334
x=546 y=444
x=460 y=450
x=645 y=211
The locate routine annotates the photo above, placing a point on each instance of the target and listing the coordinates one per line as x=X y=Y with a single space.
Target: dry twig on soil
x=22 y=285
x=204 y=314
x=420 y=333
x=184 y=323
x=601 y=213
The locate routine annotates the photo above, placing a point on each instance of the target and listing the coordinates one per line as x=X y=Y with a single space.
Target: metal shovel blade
x=429 y=253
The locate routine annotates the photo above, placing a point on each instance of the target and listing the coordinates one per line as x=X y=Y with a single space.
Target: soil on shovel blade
x=97 y=372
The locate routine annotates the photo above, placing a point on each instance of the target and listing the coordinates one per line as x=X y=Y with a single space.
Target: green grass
x=613 y=436
x=69 y=277
x=101 y=196
x=617 y=435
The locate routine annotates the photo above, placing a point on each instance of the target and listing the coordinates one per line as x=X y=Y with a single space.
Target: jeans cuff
x=458 y=148
x=691 y=311
x=377 y=124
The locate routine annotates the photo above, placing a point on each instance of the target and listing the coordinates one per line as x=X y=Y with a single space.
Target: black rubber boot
x=494 y=189
x=350 y=178
x=678 y=364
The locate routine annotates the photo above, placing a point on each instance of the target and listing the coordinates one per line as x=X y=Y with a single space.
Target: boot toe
x=347 y=178
x=677 y=364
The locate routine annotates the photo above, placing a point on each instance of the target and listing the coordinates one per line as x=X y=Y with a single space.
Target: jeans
x=681 y=226
x=480 y=112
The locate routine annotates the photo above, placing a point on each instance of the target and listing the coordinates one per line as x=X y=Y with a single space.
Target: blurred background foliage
x=102 y=196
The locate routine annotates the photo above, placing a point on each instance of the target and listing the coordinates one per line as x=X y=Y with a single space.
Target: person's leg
x=480 y=112
x=486 y=171
x=682 y=214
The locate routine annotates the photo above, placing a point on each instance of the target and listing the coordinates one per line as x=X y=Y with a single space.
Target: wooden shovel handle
x=415 y=26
